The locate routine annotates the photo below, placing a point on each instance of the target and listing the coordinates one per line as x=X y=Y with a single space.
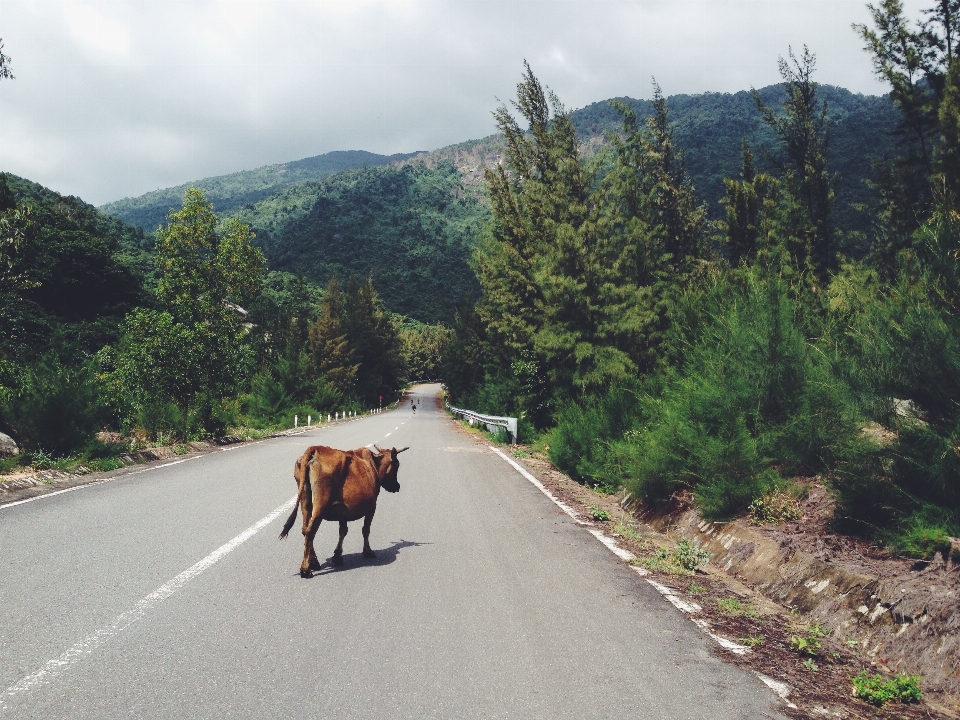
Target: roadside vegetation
x=653 y=349
x=176 y=336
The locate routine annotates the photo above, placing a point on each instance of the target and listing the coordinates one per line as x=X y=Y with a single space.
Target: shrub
x=751 y=393
x=774 y=507
x=685 y=559
x=578 y=443
x=689 y=556
x=598 y=513
x=878 y=690
x=56 y=407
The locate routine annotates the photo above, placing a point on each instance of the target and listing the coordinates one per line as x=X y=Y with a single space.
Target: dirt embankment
x=902 y=614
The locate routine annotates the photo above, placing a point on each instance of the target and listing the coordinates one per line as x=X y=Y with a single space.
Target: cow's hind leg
x=310 y=561
x=338 y=553
x=367 y=550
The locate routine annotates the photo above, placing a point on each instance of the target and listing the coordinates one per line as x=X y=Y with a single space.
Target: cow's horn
x=379 y=449
x=402 y=449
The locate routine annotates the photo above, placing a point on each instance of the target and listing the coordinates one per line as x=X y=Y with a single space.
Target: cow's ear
x=402 y=449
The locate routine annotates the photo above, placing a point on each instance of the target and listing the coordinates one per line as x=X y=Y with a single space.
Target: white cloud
x=114 y=98
x=100 y=35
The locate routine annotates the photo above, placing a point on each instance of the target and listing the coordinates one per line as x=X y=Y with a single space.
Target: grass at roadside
x=99 y=456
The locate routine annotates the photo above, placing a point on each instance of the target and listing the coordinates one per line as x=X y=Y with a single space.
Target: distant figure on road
x=414 y=409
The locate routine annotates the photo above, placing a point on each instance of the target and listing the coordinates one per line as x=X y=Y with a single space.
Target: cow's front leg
x=338 y=553
x=310 y=561
x=367 y=550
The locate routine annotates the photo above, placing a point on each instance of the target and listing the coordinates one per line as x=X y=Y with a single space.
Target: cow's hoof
x=308 y=573
x=337 y=559
x=369 y=554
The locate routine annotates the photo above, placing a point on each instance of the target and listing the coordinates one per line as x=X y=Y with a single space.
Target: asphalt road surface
x=166 y=594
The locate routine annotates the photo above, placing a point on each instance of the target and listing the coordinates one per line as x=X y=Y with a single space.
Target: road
x=167 y=594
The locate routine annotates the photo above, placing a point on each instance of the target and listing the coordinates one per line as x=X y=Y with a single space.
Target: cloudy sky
x=114 y=99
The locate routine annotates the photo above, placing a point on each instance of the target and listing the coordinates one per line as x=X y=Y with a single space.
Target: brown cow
x=339 y=485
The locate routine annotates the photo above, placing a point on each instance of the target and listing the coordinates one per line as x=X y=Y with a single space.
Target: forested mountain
x=709 y=128
x=78 y=271
x=411 y=220
x=227 y=192
x=412 y=228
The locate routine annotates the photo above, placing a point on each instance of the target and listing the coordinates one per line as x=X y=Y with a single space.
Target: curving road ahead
x=166 y=594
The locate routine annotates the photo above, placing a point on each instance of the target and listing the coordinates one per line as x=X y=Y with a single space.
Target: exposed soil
x=819 y=684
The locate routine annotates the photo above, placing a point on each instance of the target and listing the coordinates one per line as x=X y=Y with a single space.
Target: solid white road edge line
x=669 y=595
x=59 y=665
x=123 y=475
x=537 y=484
x=780 y=688
x=96 y=482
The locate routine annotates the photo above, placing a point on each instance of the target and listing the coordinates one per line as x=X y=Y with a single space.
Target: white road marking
x=388 y=434
x=780 y=688
x=677 y=601
x=58 y=492
x=730 y=645
x=624 y=555
x=56 y=667
x=95 y=482
x=536 y=483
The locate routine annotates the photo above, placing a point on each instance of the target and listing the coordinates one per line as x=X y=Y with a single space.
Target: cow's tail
x=290 y=520
x=302 y=484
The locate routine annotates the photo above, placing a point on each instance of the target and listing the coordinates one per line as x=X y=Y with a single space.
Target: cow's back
x=343 y=483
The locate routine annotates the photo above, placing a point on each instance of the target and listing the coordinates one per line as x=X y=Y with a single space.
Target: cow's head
x=387 y=466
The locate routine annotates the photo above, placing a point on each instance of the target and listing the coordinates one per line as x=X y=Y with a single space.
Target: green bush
x=579 y=442
x=903 y=341
x=56 y=406
x=160 y=417
x=878 y=690
x=751 y=400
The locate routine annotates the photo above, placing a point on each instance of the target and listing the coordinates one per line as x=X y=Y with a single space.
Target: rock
x=8 y=447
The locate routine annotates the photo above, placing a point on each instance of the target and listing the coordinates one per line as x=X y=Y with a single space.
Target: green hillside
x=227 y=192
x=411 y=220
x=709 y=128
x=79 y=272
x=412 y=228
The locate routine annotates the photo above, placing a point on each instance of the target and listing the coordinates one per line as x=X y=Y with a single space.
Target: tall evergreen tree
x=749 y=205
x=329 y=348
x=671 y=201
x=915 y=60
x=374 y=342
x=531 y=265
x=948 y=156
x=804 y=137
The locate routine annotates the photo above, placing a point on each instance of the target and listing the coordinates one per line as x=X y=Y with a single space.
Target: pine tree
x=374 y=342
x=533 y=265
x=330 y=354
x=948 y=156
x=915 y=61
x=804 y=138
x=749 y=204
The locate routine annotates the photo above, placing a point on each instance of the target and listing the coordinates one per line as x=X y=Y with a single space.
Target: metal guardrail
x=491 y=421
